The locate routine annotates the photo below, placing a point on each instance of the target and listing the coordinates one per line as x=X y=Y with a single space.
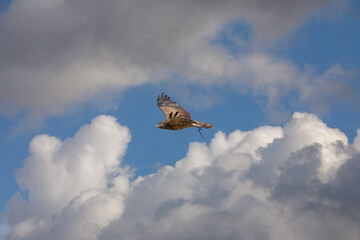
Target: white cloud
x=293 y=182
x=357 y=140
x=74 y=186
x=76 y=49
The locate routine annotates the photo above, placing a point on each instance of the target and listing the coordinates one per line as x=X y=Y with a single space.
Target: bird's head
x=164 y=124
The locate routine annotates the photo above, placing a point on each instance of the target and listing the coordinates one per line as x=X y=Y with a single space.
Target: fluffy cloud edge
x=256 y=182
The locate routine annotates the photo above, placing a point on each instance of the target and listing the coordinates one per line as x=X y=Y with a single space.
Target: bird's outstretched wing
x=171 y=108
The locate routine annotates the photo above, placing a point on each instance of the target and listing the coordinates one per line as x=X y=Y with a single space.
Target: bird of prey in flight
x=177 y=118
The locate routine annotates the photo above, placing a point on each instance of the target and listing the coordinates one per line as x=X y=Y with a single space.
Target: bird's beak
x=157 y=125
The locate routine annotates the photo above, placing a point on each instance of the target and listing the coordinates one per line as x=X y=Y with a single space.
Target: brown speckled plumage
x=177 y=118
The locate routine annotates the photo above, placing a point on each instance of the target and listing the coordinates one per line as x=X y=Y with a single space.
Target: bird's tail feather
x=203 y=124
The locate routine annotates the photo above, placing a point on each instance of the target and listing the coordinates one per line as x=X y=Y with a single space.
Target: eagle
x=177 y=118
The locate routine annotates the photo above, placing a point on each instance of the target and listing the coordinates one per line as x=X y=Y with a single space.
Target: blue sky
x=239 y=66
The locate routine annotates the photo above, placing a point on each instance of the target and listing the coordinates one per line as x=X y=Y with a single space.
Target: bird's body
x=177 y=123
x=177 y=118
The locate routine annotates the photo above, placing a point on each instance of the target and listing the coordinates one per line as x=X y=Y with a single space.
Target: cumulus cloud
x=293 y=182
x=76 y=49
x=73 y=187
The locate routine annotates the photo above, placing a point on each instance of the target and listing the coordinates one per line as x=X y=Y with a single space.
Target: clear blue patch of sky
x=323 y=42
